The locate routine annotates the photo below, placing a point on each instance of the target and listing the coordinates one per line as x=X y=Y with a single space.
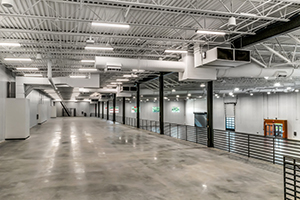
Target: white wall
x=191 y=106
x=4 y=77
x=39 y=105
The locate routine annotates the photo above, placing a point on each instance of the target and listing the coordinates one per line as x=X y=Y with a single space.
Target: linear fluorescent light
x=277 y=85
x=138 y=70
x=17 y=59
x=10 y=44
x=175 y=51
x=28 y=68
x=123 y=80
x=87 y=61
x=99 y=48
x=77 y=76
x=130 y=76
x=88 y=69
x=248 y=14
x=111 y=85
x=34 y=75
x=116 y=83
x=111 y=25
x=211 y=32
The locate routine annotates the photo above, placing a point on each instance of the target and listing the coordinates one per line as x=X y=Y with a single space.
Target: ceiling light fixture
x=189 y=94
x=8 y=3
x=177 y=96
x=10 y=44
x=87 y=61
x=211 y=32
x=111 y=85
x=175 y=51
x=251 y=94
x=28 y=68
x=110 y=25
x=88 y=69
x=138 y=70
x=296 y=90
x=230 y=93
x=17 y=59
x=268 y=92
x=173 y=90
x=277 y=85
x=103 y=48
x=130 y=76
x=236 y=89
x=288 y=88
x=248 y=14
x=266 y=77
x=77 y=76
x=123 y=80
x=202 y=85
x=116 y=83
x=33 y=75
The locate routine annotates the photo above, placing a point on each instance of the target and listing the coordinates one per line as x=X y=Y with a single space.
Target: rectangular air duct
x=225 y=57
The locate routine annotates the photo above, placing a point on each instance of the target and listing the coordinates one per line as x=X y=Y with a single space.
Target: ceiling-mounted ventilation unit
x=128 y=89
x=226 y=57
x=113 y=67
x=280 y=74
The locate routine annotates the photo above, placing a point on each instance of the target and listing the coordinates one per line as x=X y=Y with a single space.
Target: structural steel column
x=123 y=110
x=107 y=110
x=98 y=109
x=210 y=129
x=138 y=105
x=102 y=109
x=114 y=107
x=95 y=110
x=161 y=103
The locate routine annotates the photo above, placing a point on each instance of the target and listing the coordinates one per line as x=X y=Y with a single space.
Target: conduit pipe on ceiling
x=128 y=63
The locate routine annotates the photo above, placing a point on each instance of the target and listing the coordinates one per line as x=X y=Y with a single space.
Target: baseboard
x=42 y=122
x=18 y=138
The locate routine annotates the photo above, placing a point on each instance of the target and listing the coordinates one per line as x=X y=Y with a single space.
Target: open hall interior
x=131 y=99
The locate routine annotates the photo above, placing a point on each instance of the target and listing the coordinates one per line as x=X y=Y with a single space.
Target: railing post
x=284 y=177
x=170 y=127
x=177 y=132
x=229 y=141
x=273 y=150
x=196 y=134
x=185 y=132
x=248 y=145
x=295 y=181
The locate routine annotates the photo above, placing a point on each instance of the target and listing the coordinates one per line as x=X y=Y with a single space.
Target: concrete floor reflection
x=90 y=158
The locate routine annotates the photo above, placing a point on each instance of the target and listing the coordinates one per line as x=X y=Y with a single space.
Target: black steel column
x=114 y=107
x=123 y=110
x=102 y=109
x=138 y=105
x=98 y=109
x=161 y=103
x=210 y=129
x=95 y=110
x=107 y=110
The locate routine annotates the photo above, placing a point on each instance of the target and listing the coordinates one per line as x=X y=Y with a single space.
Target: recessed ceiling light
x=236 y=89
x=130 y=76
x=211 y=32
x=296 y=90
x=28 y=68
x=268 y=92
x=17 y=59
x=177 y=96
x=138 y=70
x=288 y=88
x=266 y=77
x=202 y=85
x=251 y=94
x=116 y=83
x=87 y=61
x=173 y=90
x=230 y=93
x=175 y=51
x=189 y=94
x=10 y=44
x=111 y=25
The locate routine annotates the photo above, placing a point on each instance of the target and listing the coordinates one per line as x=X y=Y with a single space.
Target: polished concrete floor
x=89 y=158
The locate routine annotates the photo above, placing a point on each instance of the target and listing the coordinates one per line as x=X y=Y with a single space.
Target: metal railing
x=291 y=179
x=269 y=149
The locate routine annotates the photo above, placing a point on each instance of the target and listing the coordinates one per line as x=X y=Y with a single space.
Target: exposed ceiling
x=59 y=29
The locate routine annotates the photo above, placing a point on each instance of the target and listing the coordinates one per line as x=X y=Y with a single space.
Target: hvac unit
x=110 y=67
x=280 y=74
x=128 y=89
x=225 y=57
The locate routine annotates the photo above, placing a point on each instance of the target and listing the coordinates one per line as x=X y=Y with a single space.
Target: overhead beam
x=277 y=53
x=136 y=5
x=272 y=30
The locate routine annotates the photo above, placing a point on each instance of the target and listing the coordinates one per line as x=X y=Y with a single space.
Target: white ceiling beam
x=276 y=53
x=170 y=9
